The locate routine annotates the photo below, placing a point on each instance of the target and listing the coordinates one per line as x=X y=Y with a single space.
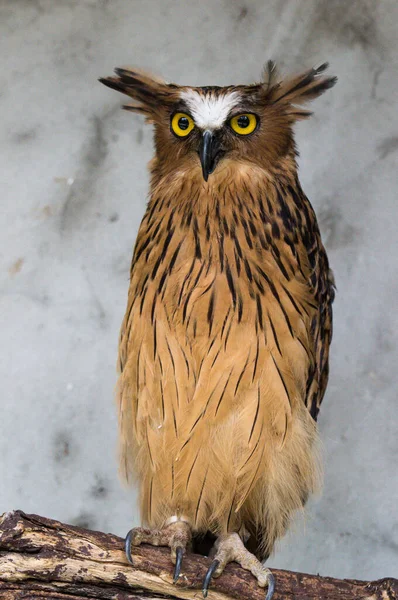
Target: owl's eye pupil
x=243 y=121
x=183 y=123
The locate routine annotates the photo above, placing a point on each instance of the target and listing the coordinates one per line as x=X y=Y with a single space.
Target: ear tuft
x=270 y=74
x=149 y=92
x=296 y=90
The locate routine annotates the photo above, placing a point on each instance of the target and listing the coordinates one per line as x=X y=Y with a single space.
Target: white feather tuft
x=210 y=111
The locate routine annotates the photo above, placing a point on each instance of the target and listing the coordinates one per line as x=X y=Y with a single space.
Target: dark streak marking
x=256 y=359
x=237 y=245
x=186 y=278
x=247 y=235
x=221 y=250
x=209 y=260
x=211 y=344
x=207 y=288
x=306 y=350
x=170 y=221
x=287 y=320
x=154 y=341
x=144 y=284
x=153 y=308
x=248 y=270
x=225 y=226
x=283 y=381
x=254 y=477
x=278 y=260
x=274 y=333
x=288 y=294
x=149 y=448
x=242 y=373
x=127 y=319
x=162 y=398
x=137 y=380
x=237 y=262
x=215 y=358
x=223 y=392
x=276 y=232
x=259 y=312
x=191 y=469
x=162 y=279
x=256 y=415
x=189 y=219
x=210 y=311
x=277 y=298
x=174 y=257
x=185 y=307
x=196 y=422
x=156 y=267
x=230 y=512
x=252 y=228
x=186 y=359
x=254 y=449
x=198 y=251
x=263 y=241
x=240 y=308
x=166 y=245
x=225 y=322
x=141 y=249
x=198 y=276
x=200 y=496
x=230 y=283
x=196 y=377
x=284 y=435
x=227 y=334
x=174 y=371
x=260 y=286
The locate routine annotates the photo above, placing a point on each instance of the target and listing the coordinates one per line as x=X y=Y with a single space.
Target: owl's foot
x=177 y=536
x=230 y=548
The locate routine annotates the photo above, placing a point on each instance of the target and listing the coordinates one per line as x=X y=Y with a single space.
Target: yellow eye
x=182 y=124
x=244 y=124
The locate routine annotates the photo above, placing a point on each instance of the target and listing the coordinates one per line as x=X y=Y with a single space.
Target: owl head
x=204 y=127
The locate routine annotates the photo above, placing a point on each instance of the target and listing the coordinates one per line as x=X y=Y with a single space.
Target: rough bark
x=43 y=558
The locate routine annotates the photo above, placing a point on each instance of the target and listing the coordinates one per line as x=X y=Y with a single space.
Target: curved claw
x=209 y=575
x=127 y=546
x=179 y=556
x=271 y=587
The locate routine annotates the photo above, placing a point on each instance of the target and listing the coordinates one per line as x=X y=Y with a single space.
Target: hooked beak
x=209 y=153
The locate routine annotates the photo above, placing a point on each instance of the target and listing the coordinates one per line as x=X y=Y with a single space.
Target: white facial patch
x=210 y=110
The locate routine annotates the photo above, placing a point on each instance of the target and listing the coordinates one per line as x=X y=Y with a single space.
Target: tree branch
x=42 y=558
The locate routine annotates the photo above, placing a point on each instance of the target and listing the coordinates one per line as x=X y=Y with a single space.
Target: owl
x=223 y=353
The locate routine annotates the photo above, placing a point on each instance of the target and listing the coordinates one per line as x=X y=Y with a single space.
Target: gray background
x=73 y=187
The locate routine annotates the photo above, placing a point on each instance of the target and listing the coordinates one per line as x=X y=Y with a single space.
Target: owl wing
x=320 y=279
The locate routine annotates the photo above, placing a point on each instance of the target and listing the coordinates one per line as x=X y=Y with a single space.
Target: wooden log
x=43 y=558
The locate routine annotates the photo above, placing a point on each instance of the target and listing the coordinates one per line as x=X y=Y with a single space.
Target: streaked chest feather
x=213 y=259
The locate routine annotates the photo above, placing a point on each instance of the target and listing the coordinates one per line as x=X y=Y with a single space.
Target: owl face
x=202 y=128
x=211 y=121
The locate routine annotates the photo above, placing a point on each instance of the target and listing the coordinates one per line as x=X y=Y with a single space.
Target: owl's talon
x=271 y=586
x=209 y=575
x=230 y=548
x=128 y=544
x=177 y=536
x=179 y=557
